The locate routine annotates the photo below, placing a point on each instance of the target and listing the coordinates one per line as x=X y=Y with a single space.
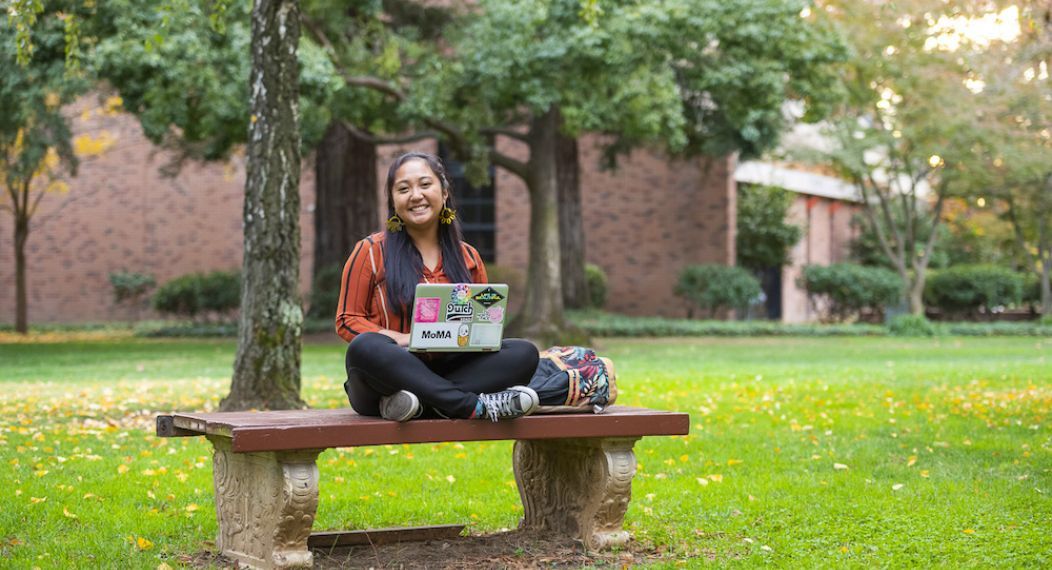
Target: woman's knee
x=364 y=348
x=522 y=355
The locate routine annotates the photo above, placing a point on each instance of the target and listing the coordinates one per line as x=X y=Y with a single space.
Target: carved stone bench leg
x=579 y=487
x=265 y=503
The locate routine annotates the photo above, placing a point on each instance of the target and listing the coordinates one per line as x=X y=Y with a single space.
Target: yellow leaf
x=192 y=507
x=122 y=469
x=702 y=481
x=35 y=500
x=844 y=550
x=897 y=486
x=912 y=461
x=52 y=100
x=164 y=566
x=924 y=473
x=143 y=544
x=114 y=104
x=731 y=462
x=839 y=466
x=968 y=531
x=716 y=478
x=683 y=458
x=86 y=145
x=68 y=514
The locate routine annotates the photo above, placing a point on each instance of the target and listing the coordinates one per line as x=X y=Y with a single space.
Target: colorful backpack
x=574 y=379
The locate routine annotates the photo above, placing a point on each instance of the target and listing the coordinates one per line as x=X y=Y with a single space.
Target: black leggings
x=447 y=382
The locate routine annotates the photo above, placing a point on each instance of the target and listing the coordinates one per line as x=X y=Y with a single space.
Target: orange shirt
x=363 y=305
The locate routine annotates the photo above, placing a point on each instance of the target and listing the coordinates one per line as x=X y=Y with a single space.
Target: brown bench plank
x=322 y=429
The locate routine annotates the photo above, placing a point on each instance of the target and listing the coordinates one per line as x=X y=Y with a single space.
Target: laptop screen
x=458 y=317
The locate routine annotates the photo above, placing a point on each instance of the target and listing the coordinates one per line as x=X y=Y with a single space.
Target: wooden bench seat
x=574 y=471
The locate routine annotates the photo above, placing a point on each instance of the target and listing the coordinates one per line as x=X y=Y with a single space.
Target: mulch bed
x=507 y=550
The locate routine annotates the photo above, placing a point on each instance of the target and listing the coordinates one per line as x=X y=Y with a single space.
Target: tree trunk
x=541 y=317
x=21 y=296
x=1046 y=283
x=267 y=368
x=346 y=202
x=916 y=297
x=571 y=230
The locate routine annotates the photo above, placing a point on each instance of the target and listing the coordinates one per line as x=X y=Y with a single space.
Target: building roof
x=795 y=180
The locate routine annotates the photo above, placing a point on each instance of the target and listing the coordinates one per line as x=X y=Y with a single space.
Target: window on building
x=476 y=207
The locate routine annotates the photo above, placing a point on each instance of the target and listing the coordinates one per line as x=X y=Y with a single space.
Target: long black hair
x=403 y=265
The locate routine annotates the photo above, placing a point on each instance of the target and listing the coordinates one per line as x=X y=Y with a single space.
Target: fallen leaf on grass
x=911 y=461
x=968 y=531
x=65 y=511
x=924 y=473
x=839 y=466
x=702 y=481
x=897 y=486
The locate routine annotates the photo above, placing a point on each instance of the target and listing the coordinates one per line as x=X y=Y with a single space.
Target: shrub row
x=967 y=289
x=218 y=292
x=846 y=289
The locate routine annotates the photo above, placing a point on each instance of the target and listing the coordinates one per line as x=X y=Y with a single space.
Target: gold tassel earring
x=395 y=224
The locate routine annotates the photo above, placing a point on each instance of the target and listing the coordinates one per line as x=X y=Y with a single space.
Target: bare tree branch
x=919 y=264
x=317 y=33
x=403 y=139
x=376 y=84
x=508 y=132
x=516 y=167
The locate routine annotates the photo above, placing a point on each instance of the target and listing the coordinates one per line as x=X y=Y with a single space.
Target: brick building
x=122 y=214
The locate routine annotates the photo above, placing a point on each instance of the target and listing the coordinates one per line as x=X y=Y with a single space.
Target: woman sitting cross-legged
x=422 y=244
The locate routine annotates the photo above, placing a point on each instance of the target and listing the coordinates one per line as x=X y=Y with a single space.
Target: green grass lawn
x=803 y=452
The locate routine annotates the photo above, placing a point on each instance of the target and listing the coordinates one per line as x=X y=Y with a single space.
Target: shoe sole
x=386 y=405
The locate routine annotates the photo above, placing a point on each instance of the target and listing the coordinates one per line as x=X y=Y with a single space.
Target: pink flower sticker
x=495 y=314
x=427 y=310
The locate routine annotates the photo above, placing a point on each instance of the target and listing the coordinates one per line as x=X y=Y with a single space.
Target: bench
x=574 y=472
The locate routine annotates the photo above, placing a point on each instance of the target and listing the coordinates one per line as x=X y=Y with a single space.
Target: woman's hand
x=399 y=337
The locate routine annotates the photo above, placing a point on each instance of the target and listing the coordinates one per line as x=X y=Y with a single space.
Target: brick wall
x=643 y=222
x=121 y=214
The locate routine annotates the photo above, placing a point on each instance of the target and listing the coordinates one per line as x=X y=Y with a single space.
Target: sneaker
x=514 y=402
x=400 y=406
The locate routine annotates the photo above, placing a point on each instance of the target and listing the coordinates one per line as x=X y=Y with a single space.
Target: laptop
x=458 y=317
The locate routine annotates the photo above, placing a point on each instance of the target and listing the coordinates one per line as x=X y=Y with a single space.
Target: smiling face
x=417 y=194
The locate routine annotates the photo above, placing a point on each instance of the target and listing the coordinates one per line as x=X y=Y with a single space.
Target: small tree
x=36 y=148
x=765 y=236
x=902 y=135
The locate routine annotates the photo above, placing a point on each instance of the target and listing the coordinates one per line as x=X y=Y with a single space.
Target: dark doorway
x=771 y=281
x=476 y=207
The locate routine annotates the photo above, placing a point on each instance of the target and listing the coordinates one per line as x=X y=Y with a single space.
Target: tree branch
x=516 y=167
x=33 y=209
x=377 y=140
x=899 y=257
x=376 y=84
x=921 y=263
x=317 y=33
x=505 y=131
x=882 y=239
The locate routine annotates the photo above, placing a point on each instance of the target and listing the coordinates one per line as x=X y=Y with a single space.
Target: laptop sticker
x=488 y=297
x=427 y=310
x=493 y=315
x=436 y=335
x=461 y=293
x=459 y=312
